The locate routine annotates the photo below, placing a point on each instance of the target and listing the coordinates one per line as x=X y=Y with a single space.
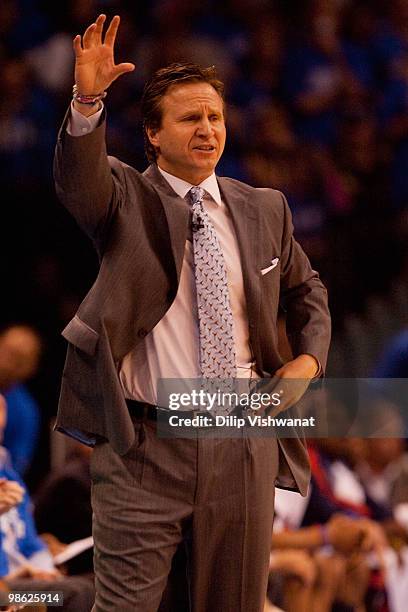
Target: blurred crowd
x=317 y=94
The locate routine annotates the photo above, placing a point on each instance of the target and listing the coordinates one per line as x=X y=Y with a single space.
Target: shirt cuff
x=319 y=368
x=79 y=125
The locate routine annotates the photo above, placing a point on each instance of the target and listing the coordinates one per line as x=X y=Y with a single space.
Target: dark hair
x=159 y=84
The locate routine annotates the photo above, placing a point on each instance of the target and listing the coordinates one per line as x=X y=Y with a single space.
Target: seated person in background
x=20 y=351
x=321 y=566
x=26 y=562
x=336 y=487
x=382 y=465
x=383 y=469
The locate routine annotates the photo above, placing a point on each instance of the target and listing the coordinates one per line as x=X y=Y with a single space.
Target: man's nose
x=204 y=127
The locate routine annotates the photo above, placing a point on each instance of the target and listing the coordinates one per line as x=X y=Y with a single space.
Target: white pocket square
x=274 y=263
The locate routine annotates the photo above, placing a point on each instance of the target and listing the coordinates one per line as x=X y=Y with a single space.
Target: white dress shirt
x=171 y=349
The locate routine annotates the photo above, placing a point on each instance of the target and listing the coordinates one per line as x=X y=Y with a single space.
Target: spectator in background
x=381 y=462
x=383 y=470
x=21 y=550
x=20 y=351
x=336 y=518
x=336 y=487
x=26 y=563
x=316 y=567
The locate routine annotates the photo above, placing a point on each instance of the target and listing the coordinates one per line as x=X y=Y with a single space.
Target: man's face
x=191 y=138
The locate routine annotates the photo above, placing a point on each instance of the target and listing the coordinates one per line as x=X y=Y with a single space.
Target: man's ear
x=152 y=135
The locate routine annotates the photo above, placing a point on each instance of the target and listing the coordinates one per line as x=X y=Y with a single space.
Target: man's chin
x=206 y=164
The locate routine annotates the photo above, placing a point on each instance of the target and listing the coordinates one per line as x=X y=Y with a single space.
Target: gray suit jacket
x=139 y=226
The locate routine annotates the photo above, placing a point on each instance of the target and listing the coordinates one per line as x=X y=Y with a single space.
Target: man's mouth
x=205 y=148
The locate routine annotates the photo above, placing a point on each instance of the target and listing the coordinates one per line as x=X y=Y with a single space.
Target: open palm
x=95 y=67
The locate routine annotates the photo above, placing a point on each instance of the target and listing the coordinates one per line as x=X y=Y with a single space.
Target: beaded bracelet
x=87 y=99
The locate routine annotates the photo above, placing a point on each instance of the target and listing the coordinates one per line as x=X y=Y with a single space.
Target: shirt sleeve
x=78 y=125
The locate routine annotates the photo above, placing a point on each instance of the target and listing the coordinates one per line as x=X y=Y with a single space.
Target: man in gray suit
x=169 y=240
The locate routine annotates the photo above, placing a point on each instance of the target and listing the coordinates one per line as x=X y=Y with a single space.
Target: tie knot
x=196 y=195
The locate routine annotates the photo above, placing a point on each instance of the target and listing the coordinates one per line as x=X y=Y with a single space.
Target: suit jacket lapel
x=246 y=219
x=177 y=213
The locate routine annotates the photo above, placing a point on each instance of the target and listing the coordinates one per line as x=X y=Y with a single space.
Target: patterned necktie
x=217 y=348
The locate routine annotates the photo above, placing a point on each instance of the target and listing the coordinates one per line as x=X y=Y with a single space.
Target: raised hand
x=95 y=67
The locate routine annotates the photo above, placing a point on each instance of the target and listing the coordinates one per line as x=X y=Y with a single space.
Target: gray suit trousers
x=218 y=494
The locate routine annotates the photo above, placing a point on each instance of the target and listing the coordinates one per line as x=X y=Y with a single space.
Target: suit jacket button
x=142 y=333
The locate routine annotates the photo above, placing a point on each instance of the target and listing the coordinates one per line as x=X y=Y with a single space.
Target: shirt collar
x=182 y=187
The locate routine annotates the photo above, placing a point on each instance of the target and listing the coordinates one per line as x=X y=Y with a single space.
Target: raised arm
x=88 y=185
